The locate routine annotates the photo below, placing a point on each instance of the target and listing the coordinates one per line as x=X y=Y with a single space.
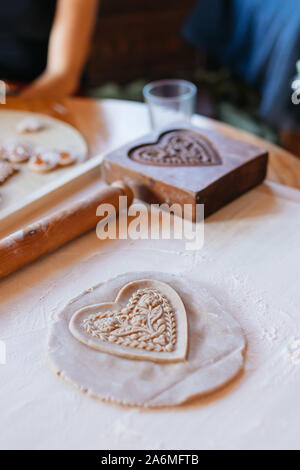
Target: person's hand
x=50 y=86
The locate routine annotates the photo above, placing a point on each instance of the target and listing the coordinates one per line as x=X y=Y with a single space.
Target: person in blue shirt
x=260 y=41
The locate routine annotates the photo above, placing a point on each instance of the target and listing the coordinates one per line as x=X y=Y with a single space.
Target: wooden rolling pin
x=51 y=232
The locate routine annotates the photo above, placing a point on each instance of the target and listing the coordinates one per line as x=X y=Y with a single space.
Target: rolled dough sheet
x=56 y=134
x=215 y=355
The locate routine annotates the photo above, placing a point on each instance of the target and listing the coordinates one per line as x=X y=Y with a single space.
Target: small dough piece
x=215 y=352
x=17 y=152
x=6 y=171
x=66 y=158
x=30 y=125
x=44 y=160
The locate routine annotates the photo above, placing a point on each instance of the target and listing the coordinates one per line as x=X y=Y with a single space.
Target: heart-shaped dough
x=147 y=321
x=178 y=148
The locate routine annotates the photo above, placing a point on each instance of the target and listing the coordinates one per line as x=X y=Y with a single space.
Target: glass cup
x=170 y=102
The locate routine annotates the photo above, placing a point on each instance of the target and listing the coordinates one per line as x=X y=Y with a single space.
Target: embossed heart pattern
x=178 y=148
x=147 y=321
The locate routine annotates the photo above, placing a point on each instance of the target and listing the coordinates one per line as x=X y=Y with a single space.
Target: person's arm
x=68 y=49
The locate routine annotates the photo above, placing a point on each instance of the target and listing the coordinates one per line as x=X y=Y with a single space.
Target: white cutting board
x=26 y=187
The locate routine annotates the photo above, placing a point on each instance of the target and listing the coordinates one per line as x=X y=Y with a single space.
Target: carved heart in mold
x=147 y=321
x=178 y=148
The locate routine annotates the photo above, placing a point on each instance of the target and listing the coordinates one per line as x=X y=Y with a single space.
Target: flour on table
x=270 y=334
x=214 y=356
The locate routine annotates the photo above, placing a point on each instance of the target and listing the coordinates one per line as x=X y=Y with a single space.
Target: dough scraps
x=30 y=124
x=147 y=321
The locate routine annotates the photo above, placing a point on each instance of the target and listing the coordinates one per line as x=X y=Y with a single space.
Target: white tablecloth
x=250 y=262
